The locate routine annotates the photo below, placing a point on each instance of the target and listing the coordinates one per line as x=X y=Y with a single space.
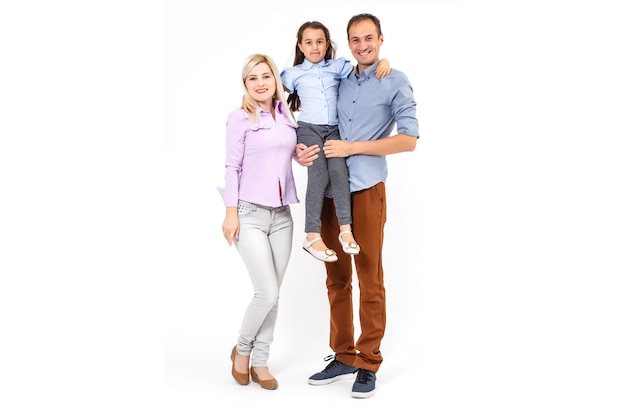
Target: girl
x=313 y=83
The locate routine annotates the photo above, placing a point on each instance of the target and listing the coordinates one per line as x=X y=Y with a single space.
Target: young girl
x=313 y=83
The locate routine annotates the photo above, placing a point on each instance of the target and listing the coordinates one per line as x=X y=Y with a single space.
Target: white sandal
x=327 y=255
x=351 y=248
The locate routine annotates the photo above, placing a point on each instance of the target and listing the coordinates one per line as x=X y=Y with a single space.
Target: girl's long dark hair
x=293 y=99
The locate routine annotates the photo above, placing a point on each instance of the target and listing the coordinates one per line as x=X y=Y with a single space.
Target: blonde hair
x=249 y=63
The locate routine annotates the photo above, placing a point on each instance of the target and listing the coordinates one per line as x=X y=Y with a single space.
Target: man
x=369 y=110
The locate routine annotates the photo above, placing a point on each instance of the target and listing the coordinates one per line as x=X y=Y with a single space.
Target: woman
x=259 y=186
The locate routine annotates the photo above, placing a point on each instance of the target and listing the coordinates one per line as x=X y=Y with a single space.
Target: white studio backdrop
x=503 y=230
x=504 y=243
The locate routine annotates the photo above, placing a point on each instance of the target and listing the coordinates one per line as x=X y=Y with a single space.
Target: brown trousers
x=369 y=213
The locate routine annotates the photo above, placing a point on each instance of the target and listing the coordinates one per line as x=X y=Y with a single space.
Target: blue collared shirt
x=317 y=86
x=370 y=109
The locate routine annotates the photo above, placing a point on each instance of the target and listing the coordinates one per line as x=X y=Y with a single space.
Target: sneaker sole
x=363 y=394
x=331 y=380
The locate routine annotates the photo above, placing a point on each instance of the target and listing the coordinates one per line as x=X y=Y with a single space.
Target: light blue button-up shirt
x=259 y=159
x=317 y=86
x=369 y=109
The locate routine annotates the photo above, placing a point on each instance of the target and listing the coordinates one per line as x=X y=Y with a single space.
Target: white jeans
x=264 y=244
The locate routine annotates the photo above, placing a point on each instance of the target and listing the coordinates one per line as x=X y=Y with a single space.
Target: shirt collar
x=279 y=107
x=369 y=72
x=307 y=65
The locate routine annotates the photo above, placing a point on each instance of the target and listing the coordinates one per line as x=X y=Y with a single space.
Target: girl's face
x=261 y=84
x=313 y=45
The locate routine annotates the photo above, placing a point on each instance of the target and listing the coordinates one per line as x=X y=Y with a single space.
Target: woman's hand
x=230 y=227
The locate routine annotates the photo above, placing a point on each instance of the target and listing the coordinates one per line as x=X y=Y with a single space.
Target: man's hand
x=305 y=155
x=336 y=148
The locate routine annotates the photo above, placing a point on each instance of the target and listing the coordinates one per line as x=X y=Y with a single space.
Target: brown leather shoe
x=265 y=383
x=241 y=377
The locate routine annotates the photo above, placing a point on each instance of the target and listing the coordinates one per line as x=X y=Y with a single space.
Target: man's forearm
x=385 y=146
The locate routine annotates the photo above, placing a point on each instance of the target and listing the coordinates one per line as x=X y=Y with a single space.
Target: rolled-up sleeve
x=403 y=107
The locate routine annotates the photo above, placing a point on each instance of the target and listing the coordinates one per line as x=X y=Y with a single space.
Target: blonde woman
x=259 y=187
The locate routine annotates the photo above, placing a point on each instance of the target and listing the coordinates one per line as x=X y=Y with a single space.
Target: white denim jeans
x=264 y=244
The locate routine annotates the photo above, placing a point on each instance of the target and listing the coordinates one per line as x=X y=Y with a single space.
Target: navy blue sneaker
x=334 y=371
x=365 y=384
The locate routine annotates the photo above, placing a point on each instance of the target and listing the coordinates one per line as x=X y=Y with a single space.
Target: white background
x=504 y=250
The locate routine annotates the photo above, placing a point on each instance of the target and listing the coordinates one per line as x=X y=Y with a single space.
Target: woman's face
x=261 y=84
x=313 y=45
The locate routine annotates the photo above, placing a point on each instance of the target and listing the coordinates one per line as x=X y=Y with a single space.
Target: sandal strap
x=343 y=233
x=309 y=244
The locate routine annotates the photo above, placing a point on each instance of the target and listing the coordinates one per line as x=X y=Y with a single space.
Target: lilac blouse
x=258 y=159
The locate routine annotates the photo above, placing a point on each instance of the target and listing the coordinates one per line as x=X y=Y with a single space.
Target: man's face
x=364 y=43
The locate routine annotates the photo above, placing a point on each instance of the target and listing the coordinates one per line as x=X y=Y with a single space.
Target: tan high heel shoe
x=242 y=378
x=265 y=383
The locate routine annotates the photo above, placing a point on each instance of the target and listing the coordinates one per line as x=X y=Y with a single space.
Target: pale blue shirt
x=369 y=109
x=317 y=86
x=259 y=159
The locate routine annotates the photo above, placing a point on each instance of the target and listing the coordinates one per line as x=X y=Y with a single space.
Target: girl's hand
x=247 y=105
x=383 y=69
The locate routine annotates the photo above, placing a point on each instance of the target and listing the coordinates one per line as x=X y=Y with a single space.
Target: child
x=313 y=83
